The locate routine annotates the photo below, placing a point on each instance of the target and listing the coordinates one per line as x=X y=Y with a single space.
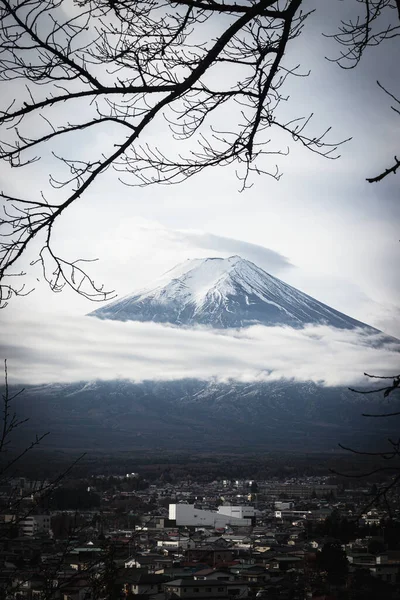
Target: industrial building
x=290 y=491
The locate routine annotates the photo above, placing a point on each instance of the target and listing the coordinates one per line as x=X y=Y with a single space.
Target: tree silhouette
x=207 y=76
x=332 y=559
x=390 y=456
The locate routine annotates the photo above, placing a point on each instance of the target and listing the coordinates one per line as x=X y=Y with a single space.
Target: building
x=176 y=543
x=239 y=512
x=190 y=516
x=279 y=505
x=35 y=524
x=293 y=514
x=299 y=490
x=140 y=583
x=212 y=589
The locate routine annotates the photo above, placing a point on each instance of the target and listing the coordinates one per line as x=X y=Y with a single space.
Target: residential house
x=209 y=555
x=211 y=589
x=140 y=583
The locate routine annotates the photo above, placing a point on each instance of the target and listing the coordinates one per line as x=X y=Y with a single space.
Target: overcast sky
x=321 y=228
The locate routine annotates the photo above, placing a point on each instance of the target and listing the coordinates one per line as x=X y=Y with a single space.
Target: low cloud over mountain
x=85 y=349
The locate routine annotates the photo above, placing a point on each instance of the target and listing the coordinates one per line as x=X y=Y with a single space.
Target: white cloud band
x=85 y=349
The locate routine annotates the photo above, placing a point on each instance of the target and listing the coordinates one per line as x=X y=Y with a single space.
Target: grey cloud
x=268 y=259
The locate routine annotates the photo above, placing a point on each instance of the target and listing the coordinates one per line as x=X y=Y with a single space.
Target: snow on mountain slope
x=224 y=293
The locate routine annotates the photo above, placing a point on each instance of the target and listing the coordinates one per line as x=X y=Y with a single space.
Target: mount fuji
x=224 y=293
x=190 y=414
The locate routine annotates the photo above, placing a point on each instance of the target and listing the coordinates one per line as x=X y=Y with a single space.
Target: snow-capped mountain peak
x=223 y=292
x=198 y=281
x=192 y=280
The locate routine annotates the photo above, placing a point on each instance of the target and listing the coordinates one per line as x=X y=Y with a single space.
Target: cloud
x=267 y=259
x=86 y=349
x=384 y=317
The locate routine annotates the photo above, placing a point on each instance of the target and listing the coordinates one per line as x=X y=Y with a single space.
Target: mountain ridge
x=196 y=415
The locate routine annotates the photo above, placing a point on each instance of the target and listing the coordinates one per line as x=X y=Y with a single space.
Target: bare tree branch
x=376 y=22
x=386 y=172
x=135 y=65
x=391 y=454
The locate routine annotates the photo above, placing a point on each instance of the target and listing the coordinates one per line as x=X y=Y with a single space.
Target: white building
x=292 y=514
x=176 y=543
x=239 y=512
x=283 y=505
x=35 y=524
x=188 y=515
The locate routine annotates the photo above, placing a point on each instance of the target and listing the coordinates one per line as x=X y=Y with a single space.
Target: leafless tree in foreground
x=207 y=76
x=390 y=455
x=377 y=21
x=53 y=575
x=138 y=66
x=8 y=424
x=396 y=161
